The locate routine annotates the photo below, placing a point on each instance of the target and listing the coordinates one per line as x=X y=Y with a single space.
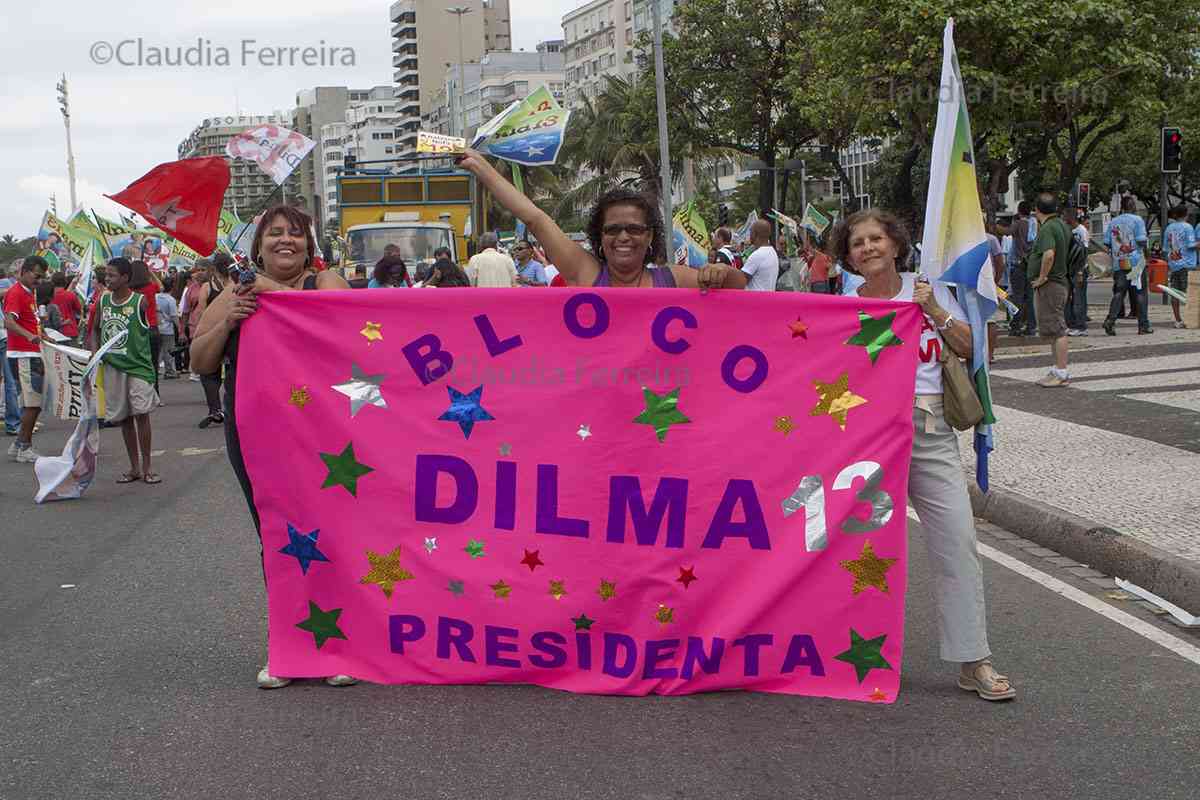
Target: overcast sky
x=126 y=119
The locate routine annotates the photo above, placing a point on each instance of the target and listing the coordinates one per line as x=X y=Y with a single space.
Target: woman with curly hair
x=625 y=232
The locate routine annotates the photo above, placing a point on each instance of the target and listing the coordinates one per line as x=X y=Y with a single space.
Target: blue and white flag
x=528 y=132
x=955 y=249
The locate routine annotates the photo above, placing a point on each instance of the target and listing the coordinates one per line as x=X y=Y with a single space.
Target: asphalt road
x=138 y=682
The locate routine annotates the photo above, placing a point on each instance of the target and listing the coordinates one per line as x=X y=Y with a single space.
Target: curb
x=1101 y=548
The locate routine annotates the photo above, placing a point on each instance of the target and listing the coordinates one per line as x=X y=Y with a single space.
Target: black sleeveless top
x=233 y=442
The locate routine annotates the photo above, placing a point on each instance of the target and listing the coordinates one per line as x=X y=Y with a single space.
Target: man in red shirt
x=68 y=305
x=25 y=352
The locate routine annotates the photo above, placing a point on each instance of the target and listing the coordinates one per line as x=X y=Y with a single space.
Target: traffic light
x=722 y=216
x=1172 y=149
x=1083 y=196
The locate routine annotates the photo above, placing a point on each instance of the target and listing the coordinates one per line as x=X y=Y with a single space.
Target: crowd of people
x=186 y=322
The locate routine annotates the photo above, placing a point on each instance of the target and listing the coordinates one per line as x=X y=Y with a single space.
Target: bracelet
x=948 y=323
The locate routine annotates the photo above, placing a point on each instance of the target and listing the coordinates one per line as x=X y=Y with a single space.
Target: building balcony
x=402 y=10
x=405 y=45
x=406 y=69
x=405 y=29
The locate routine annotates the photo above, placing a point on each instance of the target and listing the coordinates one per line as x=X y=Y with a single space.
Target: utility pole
x=64 y=105
x=458 y=12
x=664 y=149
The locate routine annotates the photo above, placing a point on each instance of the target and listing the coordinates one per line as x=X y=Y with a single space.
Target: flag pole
x=266 y=204
x=103 y=239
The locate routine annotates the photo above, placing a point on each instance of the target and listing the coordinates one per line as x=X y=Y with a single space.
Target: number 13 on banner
x=810 y=495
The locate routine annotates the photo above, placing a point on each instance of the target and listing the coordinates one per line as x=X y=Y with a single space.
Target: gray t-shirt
x=763 y=268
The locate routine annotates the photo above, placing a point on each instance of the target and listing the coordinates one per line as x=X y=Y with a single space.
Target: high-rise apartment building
x=599 y=41
x=426 y=39
x=367 y=132
x=491 y=85
x=249 y=186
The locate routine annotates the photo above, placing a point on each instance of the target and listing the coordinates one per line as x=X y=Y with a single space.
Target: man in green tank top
x=126 y=385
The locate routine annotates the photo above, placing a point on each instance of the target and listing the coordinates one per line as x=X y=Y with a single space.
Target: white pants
x=937 y=489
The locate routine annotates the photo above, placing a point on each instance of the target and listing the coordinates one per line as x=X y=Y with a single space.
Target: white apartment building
x=496 y=81
x=599 y=41
x=426 y=39
x=368 y=133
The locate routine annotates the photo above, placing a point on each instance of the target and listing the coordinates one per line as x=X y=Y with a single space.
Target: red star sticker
x=798 y=328
x=686 y=576
x=878 y=696
x=531 y=560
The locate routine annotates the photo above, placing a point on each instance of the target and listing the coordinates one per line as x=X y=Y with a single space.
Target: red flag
x=182 y=198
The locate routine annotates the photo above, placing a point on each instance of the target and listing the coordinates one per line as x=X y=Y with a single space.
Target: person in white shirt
x=873 y=244
x=762 y=267
x=489 y=268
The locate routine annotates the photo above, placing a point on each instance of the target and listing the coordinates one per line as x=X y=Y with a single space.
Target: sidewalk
x=1119 y=447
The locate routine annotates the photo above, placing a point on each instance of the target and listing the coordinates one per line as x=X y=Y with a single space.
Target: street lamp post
x=664 y=149
x=458 y=12
x=64 y=105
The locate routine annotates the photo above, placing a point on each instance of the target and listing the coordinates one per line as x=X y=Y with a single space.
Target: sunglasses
x=633 y=229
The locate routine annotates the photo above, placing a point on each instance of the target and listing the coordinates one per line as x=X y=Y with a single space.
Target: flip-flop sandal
x=129 y=477
x=152 y=477
x=987 y=688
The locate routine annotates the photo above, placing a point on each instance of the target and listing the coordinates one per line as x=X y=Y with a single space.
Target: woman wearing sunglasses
x=626 y=234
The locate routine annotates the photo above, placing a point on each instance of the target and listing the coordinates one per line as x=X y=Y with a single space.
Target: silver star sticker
x=584 y=432
x=505 y=448
x=430 y=544
x=167 y=214
x=362 y=389
x=533 y=150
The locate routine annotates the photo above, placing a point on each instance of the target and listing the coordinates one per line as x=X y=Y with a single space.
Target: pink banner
x=608 y=491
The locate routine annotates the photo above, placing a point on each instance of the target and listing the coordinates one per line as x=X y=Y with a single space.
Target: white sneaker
x=266 y=680
x=341 y=680
x=1180 y=326
x=28 y=456
x=193 y=377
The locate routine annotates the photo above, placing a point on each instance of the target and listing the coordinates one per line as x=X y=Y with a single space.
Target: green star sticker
x=661 y=411
x=322 y=624
x=474 y=549
x=864 y=654
x=344 y=470
x=582 y=623
x=456 y=588
x=875 y=334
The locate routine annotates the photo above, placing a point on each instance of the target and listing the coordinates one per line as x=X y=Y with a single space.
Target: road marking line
x=1122 y=618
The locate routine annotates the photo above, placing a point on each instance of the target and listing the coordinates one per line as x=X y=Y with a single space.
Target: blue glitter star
x=465 y=409
x=304 y=547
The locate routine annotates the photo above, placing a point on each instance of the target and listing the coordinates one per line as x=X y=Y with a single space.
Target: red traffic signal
x=1172 y=150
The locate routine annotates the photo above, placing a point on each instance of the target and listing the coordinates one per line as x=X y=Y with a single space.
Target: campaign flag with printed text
x=275 y=149
x=814 y=220
x=689 y=238
x=182 y=199
x=713 y=504
x=528 y=132
x=955 y=249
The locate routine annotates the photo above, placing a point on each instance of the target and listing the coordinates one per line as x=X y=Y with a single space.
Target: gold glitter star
x=869 y=570
x=501 y=589
x=373 y=331
x=784 y=425
x=664 y=614
x=558 y=589
x=386 y=571
x=836 y=399
x=300 y=396
x=607 y=590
